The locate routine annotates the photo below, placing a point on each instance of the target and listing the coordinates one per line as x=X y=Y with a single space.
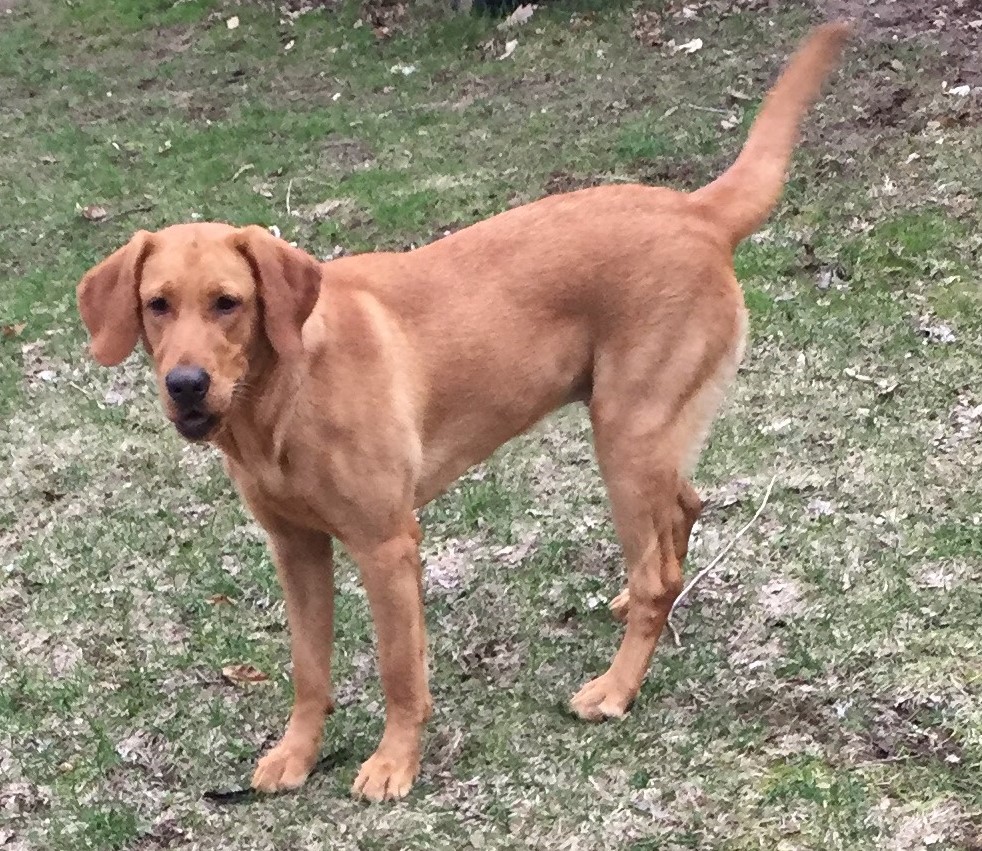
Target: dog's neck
x=257 y=421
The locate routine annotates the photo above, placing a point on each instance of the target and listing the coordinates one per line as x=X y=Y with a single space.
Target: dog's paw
x=602 y=698
x=383 y=778
x=285 y=767
x=620 y=606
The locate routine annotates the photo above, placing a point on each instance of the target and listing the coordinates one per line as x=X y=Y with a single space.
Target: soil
x=955 y=25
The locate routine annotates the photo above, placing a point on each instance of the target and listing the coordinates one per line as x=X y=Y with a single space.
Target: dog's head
x=210 y=302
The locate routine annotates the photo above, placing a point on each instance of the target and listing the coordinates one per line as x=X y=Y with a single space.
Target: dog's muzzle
x=187 y=387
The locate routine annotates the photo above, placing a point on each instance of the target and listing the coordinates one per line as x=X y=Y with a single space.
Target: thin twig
x=718 y=558
x=289 y=188
x=142 y=208
x=708 y=109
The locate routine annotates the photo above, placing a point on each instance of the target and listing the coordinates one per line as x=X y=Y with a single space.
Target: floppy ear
x=108 y=300
x=288 y=281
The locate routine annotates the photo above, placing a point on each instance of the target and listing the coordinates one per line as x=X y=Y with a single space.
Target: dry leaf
x=688 y=47
x=886 y=386
x=9 y=331
x=852 y=372
x=935 y=331
x=519 y=16
x=94 y=213
x=243 y=674
x=233 y=22
x=819 y=507
x=509 y=48
x=220 y=600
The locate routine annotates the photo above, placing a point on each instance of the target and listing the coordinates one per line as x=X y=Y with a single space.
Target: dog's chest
x=291 y=494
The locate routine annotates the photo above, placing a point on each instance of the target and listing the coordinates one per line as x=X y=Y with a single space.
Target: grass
x=826 y=693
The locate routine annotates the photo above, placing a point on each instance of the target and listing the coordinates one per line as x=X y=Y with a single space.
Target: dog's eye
x=226 y=303
x=158 y=306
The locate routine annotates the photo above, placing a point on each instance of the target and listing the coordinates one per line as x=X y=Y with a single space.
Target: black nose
x=187 y=385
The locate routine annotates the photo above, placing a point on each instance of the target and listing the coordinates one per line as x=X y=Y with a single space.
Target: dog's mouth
x=195 y=424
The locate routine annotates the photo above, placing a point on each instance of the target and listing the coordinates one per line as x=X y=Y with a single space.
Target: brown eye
x=158 y=306
x=226 y=303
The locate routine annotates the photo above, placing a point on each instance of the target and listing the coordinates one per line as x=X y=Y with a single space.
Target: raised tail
x=742 y=198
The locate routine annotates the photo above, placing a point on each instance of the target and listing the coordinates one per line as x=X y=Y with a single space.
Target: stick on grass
x=717 y=559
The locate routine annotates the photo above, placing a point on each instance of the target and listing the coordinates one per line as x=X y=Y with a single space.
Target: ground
x=825 y=690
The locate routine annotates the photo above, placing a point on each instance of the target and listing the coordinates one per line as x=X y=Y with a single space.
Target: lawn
x=826 y=689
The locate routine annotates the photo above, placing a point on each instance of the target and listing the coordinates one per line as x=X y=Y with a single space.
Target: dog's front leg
x=391 y=573
x=305 y=569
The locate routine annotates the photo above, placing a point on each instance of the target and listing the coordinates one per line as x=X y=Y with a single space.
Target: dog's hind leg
x=651 y=409
x=688 y=507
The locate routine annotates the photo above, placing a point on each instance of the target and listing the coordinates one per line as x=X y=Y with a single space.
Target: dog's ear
x=288 y=281
x=108 y=300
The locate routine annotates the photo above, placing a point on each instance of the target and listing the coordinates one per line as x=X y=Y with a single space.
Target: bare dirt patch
x=955 y=26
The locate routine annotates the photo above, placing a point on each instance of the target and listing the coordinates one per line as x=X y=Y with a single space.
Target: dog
x=347 y=394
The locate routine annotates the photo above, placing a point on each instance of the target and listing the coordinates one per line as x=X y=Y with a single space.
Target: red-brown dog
x=345 y=395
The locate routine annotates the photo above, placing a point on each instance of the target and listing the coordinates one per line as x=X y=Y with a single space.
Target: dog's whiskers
x=241 y=389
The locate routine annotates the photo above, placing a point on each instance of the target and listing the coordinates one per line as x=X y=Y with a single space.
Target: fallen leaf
x=852 y=372
x=688 y=47
x=94 y=213
x=241 y=674
x=220 y=600
x=233 y=22
x=401 y=68
x=935 y=332
x=886 y=386
x=818 y=507
x=959 y=91
x=116 y=396
x=509 y=48
x=777 y=426
x=519 y=16
x=16 y=330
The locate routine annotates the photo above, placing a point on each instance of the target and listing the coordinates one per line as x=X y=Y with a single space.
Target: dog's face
x=209 y=301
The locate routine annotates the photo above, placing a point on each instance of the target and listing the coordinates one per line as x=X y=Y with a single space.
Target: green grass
x=826 y=692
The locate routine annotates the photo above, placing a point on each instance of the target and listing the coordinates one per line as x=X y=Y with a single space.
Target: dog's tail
x=741 y=199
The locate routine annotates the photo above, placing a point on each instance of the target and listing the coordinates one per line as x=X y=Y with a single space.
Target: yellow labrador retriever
x=345 y=395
